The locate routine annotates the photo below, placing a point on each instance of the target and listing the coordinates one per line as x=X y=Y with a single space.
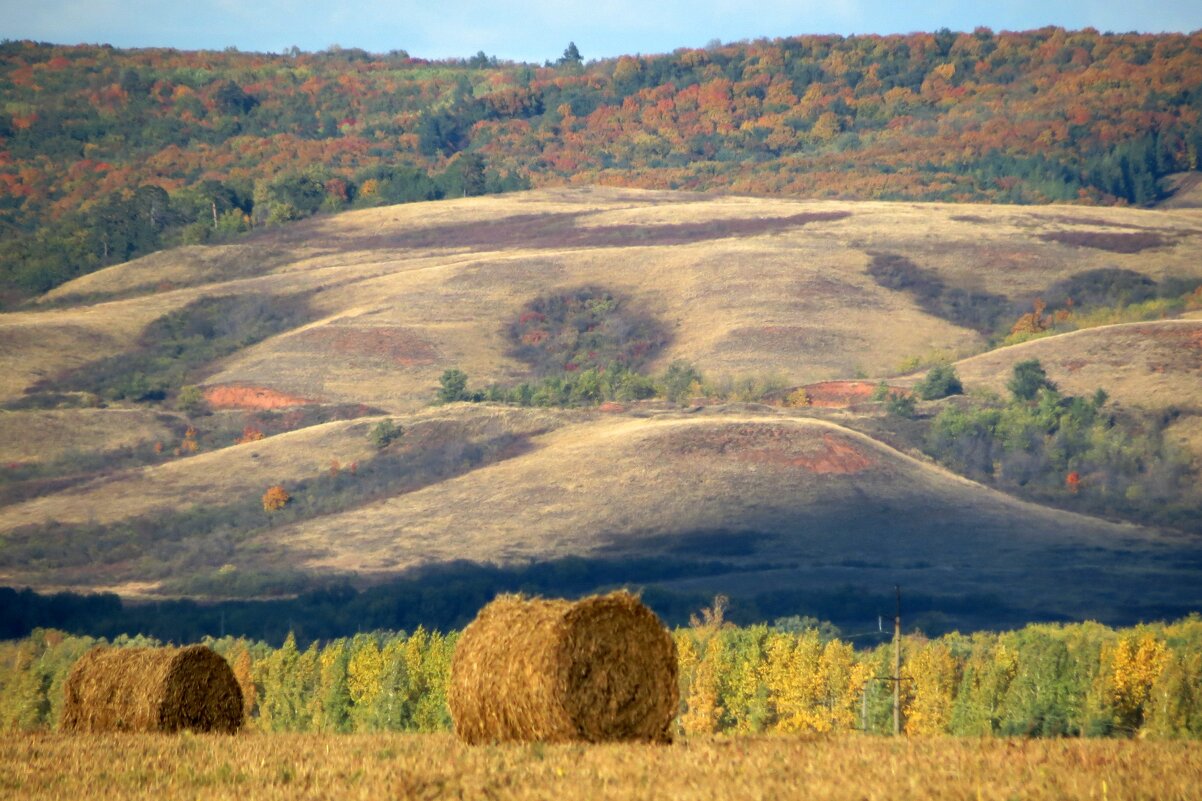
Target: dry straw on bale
x=152 y=689
x=603 y=668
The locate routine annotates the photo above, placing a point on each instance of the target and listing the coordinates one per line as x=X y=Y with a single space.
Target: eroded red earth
x=235 y=396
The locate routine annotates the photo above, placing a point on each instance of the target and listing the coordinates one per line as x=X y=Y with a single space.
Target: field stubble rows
x=52 y=766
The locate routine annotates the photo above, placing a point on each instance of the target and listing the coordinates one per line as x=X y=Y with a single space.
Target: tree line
x=794 y=676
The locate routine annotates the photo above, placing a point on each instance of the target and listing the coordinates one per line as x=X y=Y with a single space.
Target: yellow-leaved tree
x=929 y=679
x=792 y=674
x=812 y=686
x=704 y=658
x=364 y=680
x=1137 y=663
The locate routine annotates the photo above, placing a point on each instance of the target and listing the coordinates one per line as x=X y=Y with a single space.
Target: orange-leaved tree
x=275 y=499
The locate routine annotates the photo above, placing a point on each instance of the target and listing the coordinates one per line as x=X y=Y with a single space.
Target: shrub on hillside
x=384 y=433
x=1029 y=377
x=940 y=382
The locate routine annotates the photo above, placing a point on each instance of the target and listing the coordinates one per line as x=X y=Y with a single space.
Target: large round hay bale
x=603 y=668
x=152 y=689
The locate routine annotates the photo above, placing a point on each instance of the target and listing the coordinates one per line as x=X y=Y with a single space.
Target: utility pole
x=897 y=665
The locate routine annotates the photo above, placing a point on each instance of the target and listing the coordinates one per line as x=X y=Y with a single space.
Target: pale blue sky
x=536 y=30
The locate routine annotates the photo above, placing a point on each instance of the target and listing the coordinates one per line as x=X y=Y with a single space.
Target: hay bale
x=603 y=668
x=152 y=689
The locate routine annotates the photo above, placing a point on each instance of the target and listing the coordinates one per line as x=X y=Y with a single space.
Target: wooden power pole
x=897 y=665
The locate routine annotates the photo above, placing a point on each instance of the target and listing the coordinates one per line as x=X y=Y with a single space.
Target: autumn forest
x=108 y=154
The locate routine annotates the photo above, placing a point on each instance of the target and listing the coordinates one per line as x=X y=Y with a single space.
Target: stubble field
x=395 y=766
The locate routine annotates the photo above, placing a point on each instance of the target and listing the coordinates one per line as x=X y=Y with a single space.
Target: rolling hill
x=310 y=334
x=811 y=290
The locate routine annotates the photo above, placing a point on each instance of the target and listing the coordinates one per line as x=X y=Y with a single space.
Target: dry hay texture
x=603 y=668
x=152 y=689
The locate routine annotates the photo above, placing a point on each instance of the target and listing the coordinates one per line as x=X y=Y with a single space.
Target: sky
x=538 y=30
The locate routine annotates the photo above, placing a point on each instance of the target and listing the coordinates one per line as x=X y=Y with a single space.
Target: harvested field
x=395 y=766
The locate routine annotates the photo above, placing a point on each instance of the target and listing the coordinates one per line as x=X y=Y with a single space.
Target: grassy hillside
x=1154 y=365
x=811 y=290
x=300 y=340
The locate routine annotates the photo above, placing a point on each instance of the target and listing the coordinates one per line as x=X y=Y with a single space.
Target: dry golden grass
x=45 y=435
x=1152 y=365
x=605 y=485
x=395 y=766
x=1186 y=189
x=746 y=285
x=783 y=502
x=208 y=478
x=35 y=345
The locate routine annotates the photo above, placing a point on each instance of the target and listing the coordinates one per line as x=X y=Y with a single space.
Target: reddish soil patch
x=396 y=345
x=609 y=407
x=1178 y=336
x=1113 y=242
x=231 y=396
x=840 y=394
x=780 y=446
x=1183 y=345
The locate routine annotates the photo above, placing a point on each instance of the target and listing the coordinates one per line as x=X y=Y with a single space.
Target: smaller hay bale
x=603 y=668
x=152 y=689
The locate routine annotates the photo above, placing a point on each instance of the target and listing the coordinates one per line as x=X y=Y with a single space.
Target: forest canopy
x=106 y=154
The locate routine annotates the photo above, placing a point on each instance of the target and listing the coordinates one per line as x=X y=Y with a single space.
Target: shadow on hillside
x=447 y=596
x=557 y=231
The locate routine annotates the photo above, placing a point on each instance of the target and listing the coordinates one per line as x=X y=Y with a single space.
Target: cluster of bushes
x=1069 y=450
x=680 y=382
x=1095 y=297
x=792 y=677
x=1104 y=297
x=587 y=329
x=297 y=195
